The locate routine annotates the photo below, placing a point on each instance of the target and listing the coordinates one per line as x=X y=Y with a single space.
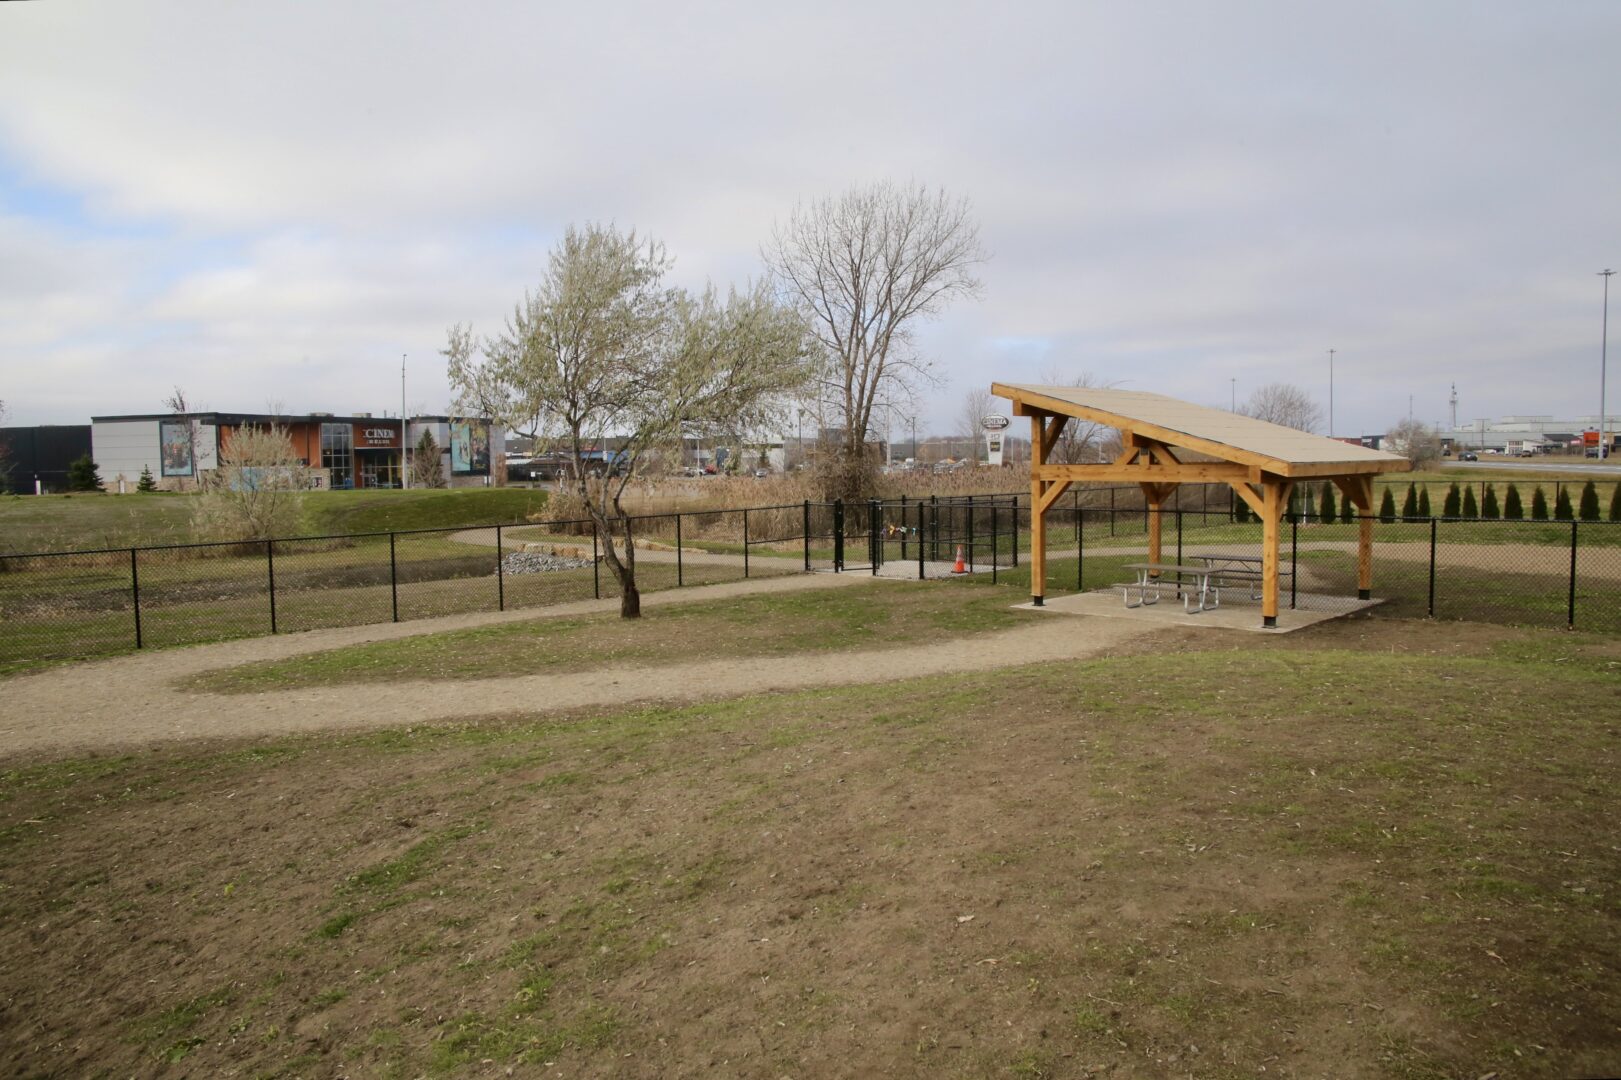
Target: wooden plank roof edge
x=1343 y=459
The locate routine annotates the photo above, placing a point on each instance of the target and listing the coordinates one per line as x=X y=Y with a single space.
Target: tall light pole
x=1331 y=393
x=405 y=472
x=1603 y=366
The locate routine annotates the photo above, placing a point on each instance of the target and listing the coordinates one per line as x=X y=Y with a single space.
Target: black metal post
x=135 y=592
x=875 y=536
x=838 y=536
x=1570 y=614
x=903 y=528
x=1080 y=547
x=596 y=564
x=1294 y=558
x=679 y=575
x=1432 y=567
x=995 y=543
x=1015 y=532
x=393 y=578
x=745 y=542
x=970 y=534
x=934 y=525
x=1111 y=511
x=807 y=534
x=500 y=573
x=921 y=550
x=270 y=569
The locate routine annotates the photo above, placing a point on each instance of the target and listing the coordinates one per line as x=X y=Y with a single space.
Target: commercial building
x=36 y=459
x=343 y=452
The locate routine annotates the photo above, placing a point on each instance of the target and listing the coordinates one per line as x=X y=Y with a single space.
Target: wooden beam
x=1038 y=521
x=1049 y=437
x=1255 y=501
x=1199 y=472
x=1272 y=509
x=1051 y=495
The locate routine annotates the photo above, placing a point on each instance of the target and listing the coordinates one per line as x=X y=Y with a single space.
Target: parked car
x=1468 y=455
x=1528 y=453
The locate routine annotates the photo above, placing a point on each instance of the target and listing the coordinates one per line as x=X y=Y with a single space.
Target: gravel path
x=131 y=701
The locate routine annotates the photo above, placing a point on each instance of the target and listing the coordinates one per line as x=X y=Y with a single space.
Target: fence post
x=1432 y=567
x=838 y=536
x=970 y=534
x=745 y=542
x=596 y=564
x=996 y=555
x=1080 y=546
x=903 y=528
x=135 y=592
x=1294 y=558
x=934 y=526
x=270 y=568
x=807 y=534
x=679 y=576
x=875 y=537
x=1570 y=614
x=500 y=573
x=1015 y=532
x=1111 y=511
x=393 y=579
x=921 y=526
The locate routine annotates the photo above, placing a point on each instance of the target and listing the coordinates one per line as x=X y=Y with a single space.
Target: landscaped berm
x=817 y=826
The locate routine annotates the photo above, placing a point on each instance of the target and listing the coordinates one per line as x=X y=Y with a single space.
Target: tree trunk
x=624 y=570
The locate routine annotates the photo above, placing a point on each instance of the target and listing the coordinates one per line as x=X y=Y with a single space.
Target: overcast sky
x=272 y=203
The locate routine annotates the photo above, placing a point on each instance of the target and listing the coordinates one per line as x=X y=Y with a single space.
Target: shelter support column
x=1359 y=489
x=1038 y=520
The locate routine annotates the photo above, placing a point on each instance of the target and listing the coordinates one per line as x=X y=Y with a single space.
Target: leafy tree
x=83 y=475
x=146 y=482
x=1285 y=404
x=1539 y=505
x=1561 y=506
x=1409 y=505
x=1452 y=506
x=1513 y=509
x=1488 y=505
x=257 y=490
x=603 y=348
x=427 y=471
x=1387 y=508
x=868 y=267
x=1329 y=510
x=1424 y=501
x=1471 y=509
x=1615 y=503
x=1589 y=502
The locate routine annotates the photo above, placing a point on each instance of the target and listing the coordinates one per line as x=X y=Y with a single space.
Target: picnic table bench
x=1230 y=569
x=1205 y=576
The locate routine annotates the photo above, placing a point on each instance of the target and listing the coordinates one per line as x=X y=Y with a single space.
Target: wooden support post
x=1364 y=541
x=1153 y=498
x=1273 y=501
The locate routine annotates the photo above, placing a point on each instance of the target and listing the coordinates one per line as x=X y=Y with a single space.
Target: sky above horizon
x=269 y=206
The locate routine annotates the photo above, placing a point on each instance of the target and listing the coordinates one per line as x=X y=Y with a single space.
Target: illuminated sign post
x=994 y=425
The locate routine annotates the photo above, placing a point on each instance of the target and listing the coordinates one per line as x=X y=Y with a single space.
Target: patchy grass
x=1374 y=844
x=856 y=616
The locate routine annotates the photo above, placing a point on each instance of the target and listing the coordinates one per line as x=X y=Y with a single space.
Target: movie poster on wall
x=470 y=448
x=174 y=442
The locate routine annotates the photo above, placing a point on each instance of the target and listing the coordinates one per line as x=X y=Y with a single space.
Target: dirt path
x=131 y=701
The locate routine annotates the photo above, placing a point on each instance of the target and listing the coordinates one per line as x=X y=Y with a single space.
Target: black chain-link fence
x=1526 y=571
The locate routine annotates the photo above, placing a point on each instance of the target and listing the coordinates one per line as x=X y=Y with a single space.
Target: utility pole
x=1454 y=401
x=1331 y=393
x=405 y=469
x=1603 y=367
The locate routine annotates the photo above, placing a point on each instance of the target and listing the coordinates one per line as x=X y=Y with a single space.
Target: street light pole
x=405 y=471
x=1603 y=367
x=1331 y=393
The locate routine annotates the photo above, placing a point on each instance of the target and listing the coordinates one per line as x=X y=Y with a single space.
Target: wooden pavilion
x=1261 y=461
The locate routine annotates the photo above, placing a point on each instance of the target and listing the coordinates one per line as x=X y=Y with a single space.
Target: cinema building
x=343 y=452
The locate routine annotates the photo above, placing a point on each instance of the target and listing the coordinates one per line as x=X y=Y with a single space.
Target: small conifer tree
x=1539 y=505
x=1387 y=508
x=1615 y=503
x=1513 y=509
x=1488 y=506
x=1470 y=508
x=1424 y=501
x=1451 y=507
x=1329 y=510
x=146 y=483
x=1347 y=511
x=83 y=475
x=1409 y=505
x=1561 y=506
x=1589 y=503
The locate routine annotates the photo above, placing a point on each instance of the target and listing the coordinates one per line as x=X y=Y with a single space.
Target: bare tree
x=603 y=354
x=184 y=410
x=1416 y=441
x=1286 y=404
x=868 y=266
x=1080 y=441
x=976 y=405
x=257 y=490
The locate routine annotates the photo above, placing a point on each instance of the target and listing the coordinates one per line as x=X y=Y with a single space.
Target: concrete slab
x=1237 y=610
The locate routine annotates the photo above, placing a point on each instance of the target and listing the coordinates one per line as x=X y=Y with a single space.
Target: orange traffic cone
x=959 y=568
